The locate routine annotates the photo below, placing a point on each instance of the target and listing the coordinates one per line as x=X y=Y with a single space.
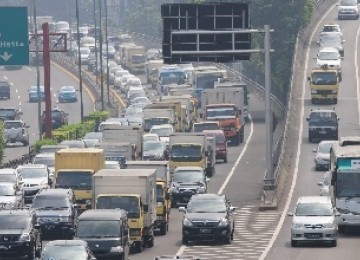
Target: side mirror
x=308 y=78
x=290 y=214
x=182 y=209
x=314 y=150
x=307 y=119
x=146 y=208
x=320 y=184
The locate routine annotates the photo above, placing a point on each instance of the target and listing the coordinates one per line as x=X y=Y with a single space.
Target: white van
x=348 y=9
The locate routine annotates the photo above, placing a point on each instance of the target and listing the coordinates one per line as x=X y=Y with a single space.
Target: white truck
x=133 y=191
x=188 y=149
x=162 y=194
x=156 y=116
x=122 y=134
x=120 y=152
x=226 y=106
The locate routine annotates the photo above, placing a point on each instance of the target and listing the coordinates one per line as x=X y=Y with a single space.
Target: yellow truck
x=175 y=106
x=74 y=169
x=324 y=84
x=188 y=149
x=134 y=191
x=163 y=200
x=135 y=58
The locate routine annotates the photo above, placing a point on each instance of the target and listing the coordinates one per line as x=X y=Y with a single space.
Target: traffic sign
x=14 y=36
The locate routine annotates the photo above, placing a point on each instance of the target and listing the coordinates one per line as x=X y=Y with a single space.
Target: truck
x=204 y=77
x=134 y=191
x=156 y=116
x=163 y=199
x=324 y=84
x=175 y=107
x=170 y=75
x=236 y=83
x=187 y=149
x=226 y=106
x=135 y=58
x=152 y=71
x=116 y=133
x=120 y=152
x=74 y=169
x=178 y=90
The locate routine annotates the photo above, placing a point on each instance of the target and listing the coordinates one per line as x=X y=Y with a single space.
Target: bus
x=345 y=180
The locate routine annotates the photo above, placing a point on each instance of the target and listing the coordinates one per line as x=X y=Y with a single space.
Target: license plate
x=314 y=235
x=322 y=132
x=205 y=230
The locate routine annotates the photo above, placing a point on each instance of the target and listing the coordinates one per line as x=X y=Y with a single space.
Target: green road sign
x=14 y=36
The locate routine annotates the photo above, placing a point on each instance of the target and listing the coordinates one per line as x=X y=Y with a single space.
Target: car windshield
x=74 y=180
x=7 y=113
x=185 y=152
x=7 y=190
x=221 y=112
x=328 y=55
x=30 y=173
x=333 y=40
x=9 y=125
x=199 y=127
x=188 y=176
x=162 y=132
x=153 y=146
x=13 y=221
x=128 y=203
x=313 y=209
x=64 y=252
x=324 y=78
x=323 y=118
x=43 y=202
x=49 y=161
x=206 y=206
x=98 y=228
x=8 y=178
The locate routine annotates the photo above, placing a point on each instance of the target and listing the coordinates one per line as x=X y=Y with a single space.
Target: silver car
x=314 y=220
x=322 y=157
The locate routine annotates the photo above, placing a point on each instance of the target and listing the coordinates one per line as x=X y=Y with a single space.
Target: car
x=10 y=175
x=150 y=137
x=106 y=231
x=323 y=125
x=314 y=220
x=112 y=72
x=208 y=217
x=163 y=131
x=58 y=118
x=108 y=51
x=123 y=81
x=154 y=151
x=118 y=76
x=348 y=9
x=136 y=94
x=134 y=89
x=332 y=27
x=92 y=61
x=10 y=196
x=10 y=113
x=332 y=39
x=4 y=90
x=36 y=177
x=74 y=143
x=187 y=181
x=56 y=212
x=67 y=94
x=322 y=157
x=122 y=120
x=220 y=143
x=330 y=57
x=48 y=159
x=106 y=124
x=141 y=100
x=15 y=131
x=67 y=249
x=84 y=55
x=19 y=234
x=52 y=148
x=206 y=125
x=34 y=96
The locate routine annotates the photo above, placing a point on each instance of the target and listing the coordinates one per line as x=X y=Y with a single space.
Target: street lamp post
x=79 y=62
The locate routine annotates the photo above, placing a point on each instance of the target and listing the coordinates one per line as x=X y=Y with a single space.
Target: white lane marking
x=16 y=90
x=232 y=171
x=18 y=97
x=357 y=70
x=20 y=105
x=301 y=129
x=6 y=78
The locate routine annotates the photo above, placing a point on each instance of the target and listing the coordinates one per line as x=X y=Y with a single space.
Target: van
x=106 y=231
x=348 y=9
x=220 y=143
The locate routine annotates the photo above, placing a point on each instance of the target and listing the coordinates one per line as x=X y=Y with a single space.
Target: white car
x=118 y=76
x=163 y=131
x=332 y=27
x=124 y=79
x=328 y=56
x=141 y=100
x=112 y=73
x=11 y=175
x=314 y=220
x=150 y=137
x=134 y=89
x=322 y=157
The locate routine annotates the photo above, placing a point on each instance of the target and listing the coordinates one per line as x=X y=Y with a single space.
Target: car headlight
x=25 y=237
x=334 y=91
x=330 y=225
x=116 y=249
x=223 y=222
x=334 y=128
x=64 y=218
x=297 y=225
x=344 y=211
x=187 y=223
x=311 y=128
x=313 y=91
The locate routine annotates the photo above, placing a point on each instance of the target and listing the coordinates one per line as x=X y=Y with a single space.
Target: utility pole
x=79 y=62
x=46 y=61
x=101 y=60
x=107 y=53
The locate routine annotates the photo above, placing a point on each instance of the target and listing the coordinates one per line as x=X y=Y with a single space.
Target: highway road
x=20 y=81
x=305 y=177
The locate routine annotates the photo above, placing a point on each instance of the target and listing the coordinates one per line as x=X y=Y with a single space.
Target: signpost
x=14 y=36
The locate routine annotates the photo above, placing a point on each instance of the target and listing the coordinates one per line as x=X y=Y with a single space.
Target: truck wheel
x=163 y=229
x=150 y=243
x=138 y=247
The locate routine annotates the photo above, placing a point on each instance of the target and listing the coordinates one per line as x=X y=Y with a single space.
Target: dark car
x=106 y=231
x=208 y=217
x=58 y=118
x=4 y=90
x=33 y=94
x=323 y=125
x=19 y=236
x=56 y=212
x=154 y=151
x=67 y=249
x=9 y=113
x=67 y=94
